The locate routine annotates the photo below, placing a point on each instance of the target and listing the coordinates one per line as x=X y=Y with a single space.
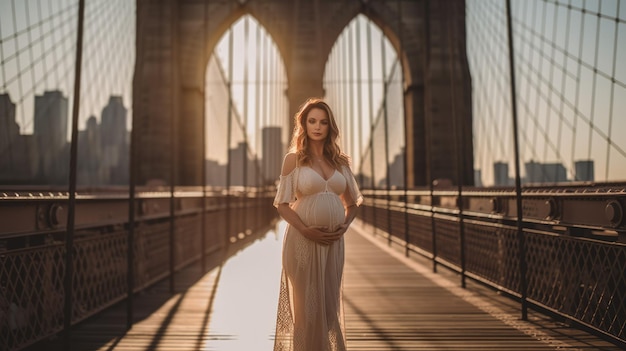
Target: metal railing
x=574 y=240
x=32 y=248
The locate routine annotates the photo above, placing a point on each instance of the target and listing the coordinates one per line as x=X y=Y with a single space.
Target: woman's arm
x=351 y=211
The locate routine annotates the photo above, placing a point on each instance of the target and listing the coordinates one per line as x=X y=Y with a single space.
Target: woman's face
x=317 y=124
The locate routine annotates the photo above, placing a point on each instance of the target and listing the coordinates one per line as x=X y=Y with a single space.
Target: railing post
x=386 y=129
x=228 y=140
x=173 y=142
x=203 y=258
x=518 y=186
x=429 y=160
x=404 y=156
x=457 y=136
x=69 y=237
x=370 y=84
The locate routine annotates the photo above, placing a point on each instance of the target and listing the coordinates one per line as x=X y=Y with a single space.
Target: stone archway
x=176 y=37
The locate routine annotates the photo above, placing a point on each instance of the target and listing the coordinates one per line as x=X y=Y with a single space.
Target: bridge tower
x=175 y=39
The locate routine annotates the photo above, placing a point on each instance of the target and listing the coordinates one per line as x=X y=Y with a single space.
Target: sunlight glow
x=245 y=305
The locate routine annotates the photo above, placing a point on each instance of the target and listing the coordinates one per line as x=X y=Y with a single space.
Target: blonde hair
x=299 y=141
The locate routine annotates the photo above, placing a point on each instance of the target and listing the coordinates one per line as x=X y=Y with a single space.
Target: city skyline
x=581 y=124
x=104 y=148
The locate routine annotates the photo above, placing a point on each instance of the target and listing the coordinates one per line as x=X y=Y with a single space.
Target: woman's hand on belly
x=321 y=235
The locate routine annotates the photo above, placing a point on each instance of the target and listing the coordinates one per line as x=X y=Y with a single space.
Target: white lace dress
x=310 y=311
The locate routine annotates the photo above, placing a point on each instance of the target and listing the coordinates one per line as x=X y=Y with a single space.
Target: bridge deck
x=391 y=303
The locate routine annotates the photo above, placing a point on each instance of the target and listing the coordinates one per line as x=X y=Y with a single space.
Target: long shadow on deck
x=105 y=330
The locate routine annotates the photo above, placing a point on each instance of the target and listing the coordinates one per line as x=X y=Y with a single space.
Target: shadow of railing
x=574 y=241
x=32 y=250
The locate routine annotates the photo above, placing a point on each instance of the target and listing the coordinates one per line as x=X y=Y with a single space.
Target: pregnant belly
x=324 y=209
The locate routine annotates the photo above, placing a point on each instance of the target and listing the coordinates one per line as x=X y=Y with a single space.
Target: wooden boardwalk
x=391 y=303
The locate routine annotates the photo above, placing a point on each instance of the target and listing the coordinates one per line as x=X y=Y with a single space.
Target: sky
x=38 y=52
x=566 y=110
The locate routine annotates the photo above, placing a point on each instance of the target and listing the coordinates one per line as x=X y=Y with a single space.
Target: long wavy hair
x=300 y=141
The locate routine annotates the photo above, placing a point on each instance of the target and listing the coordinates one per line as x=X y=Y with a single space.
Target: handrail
x=575 y=245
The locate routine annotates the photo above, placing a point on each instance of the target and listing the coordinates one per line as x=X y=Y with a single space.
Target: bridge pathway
x=391 y=303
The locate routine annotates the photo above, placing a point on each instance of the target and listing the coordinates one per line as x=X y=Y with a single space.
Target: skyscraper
x=545 y=172
x=9 y=130
x=114 y=142
x=90 y=167
x=272 y=153
x=584 y=171
x=500 y=174
x=50 y=131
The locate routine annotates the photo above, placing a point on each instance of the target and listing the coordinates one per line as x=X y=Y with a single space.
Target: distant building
x=215 y=173
x=10 y=129
x=90 y=169
x=9 y=135
x=584 y=171
x=240 y=164
x=396 y=171
x=272 y=153
x=115 y=156
x=478 y=178
x=545 y=172
x=501 y=174
x=51 y=121
x=18 y=154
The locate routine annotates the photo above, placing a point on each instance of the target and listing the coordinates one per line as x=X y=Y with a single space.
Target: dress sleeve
x=353 y=188
x=286 y=191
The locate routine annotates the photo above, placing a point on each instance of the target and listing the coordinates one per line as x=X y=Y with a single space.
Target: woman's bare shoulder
x=289 y=163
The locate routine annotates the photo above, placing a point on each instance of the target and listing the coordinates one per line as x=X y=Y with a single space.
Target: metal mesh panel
x=447 y=239
x=99 y=272
x=579 y=277
x=188 y=244
x=420 y=232
x=215 y=228
x=31 y=303
x=381 y=221
x=151 y=253
x=491 y=252
x=398 y=224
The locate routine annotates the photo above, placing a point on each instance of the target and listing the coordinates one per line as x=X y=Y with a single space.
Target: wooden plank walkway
x=391 y=303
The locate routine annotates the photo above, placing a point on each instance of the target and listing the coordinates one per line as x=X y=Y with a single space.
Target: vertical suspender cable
x=264 y=113
x=351 y=115
x=406 y=131
x=429 y=159
x=452 y=55
x=246 y=44
x=173 y=142
x=258 y=130
x=359 y=99
x=518 y=186
x=594 y=88
x=205 y=59
x=371 y=115
x=383 y=54
x=611 y=99
x=135 y=156
x=229 y=128
x=69 y=239
x=578 y=83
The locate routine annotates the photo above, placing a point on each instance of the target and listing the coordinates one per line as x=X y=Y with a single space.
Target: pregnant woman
x=318 y=197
